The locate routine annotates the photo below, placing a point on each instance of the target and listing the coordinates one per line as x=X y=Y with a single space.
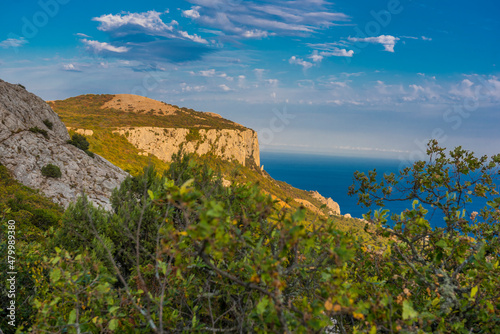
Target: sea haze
x=331 y=176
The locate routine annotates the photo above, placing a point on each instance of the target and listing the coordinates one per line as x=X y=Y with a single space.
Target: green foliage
x=43 y=132
x=439 y=280
x=34 y=215
x=48 y=124
x=79 y=141
x=179 y=252
x=190 y=254
x=51 y=170
x=193 y=135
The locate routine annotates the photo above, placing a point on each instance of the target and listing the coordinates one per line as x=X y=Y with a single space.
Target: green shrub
x=36 y=129
x=51 y=171
x=43 y=218
x=79 y=141
x=193 y=135
x=48 y=124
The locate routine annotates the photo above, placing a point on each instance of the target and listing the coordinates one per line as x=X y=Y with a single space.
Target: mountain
x=32 y=137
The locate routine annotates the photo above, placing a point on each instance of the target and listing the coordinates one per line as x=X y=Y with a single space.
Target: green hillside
x=85 y=111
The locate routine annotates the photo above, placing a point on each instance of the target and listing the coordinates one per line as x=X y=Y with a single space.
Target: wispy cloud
x=79 y=34
x=259 y=20
x=301 y=62
x=97 y=46
x=13 y=43
x=387 y=41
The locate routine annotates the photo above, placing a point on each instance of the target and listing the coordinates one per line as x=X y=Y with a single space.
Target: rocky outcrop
x=333 y=207
x=229 y=144
x=32 y=136
x=83 y=132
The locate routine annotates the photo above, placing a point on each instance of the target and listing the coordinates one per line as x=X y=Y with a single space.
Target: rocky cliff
x=32 y=136
x=229 y=144
x=158 y=128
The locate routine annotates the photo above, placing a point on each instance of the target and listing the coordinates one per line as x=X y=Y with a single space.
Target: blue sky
x=364 y=78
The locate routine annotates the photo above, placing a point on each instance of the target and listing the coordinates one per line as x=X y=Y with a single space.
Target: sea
x=331 y=176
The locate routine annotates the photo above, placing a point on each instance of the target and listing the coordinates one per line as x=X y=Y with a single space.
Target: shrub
x=48 y=124
x=44 y=218
x=193 y=135
x=36 y=129
x=51 y=170
x=79 y=141
x=443 y=279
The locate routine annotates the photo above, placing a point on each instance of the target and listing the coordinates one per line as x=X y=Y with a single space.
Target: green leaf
x=72 y=317
x=55 y=275
x=151 y=194
x=442 y=243
x=114 y=309
x=408 y=311
x=113 y=324
x=262 y=305
x=474 y=291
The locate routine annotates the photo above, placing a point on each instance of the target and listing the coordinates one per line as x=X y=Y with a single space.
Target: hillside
x=133 y=131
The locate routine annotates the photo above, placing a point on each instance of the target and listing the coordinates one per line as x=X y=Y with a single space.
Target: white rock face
x=24 y=153
x=164 y=142
x=330 y=204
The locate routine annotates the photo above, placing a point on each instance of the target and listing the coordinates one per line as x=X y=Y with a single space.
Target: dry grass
x=137 y=104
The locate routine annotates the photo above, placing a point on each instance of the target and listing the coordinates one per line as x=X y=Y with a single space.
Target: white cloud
x=187 y=88
x=82 y=35
x=225 y=88
x=338 y=53
x=13 y=43
x=256 y=33
x=316 y=57
x=194 y=38
x=192 y=13
x=323 y=50
x=207 y=73
x=149 y=21
x=301 y=62
x=426 y=38
x=71 y=68
x=387 y=41
x=101 y=46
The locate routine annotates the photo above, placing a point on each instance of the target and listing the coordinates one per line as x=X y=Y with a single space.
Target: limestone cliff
x=230 y=144
x=158 y=128
x=32 y=136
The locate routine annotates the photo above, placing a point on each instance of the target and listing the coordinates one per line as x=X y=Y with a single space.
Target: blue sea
x=331 y=176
